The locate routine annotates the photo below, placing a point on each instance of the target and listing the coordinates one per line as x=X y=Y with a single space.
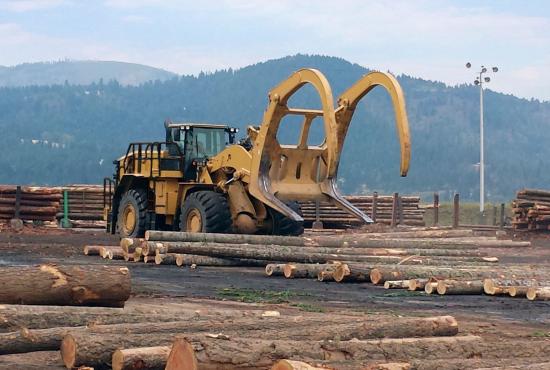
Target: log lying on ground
x=396 y=284
x=459 y=287
x=430 y=287
x=221 y=352
x=151 y=235
x=81 y=346
x=294 y=365
x=352 y=272
x=538 y=293
x=517 y=291
x=306 y=270
x=183 y=259
x=130 y=244
x=144 y=358
x=380 y=274
x=65 y=285
x=417 y=284
x=437 y=243
x=490 y=286
x=166 y=259
x=274 y=269
x=92 y=250
x=537 y=366
x=325 y=276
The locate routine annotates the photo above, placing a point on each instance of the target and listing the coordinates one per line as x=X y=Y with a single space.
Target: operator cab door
x=202 y=143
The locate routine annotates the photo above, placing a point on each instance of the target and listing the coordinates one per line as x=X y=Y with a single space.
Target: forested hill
x=79 y=73
x=70 y=134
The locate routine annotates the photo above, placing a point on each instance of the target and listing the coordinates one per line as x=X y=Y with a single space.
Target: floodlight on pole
x=479 y=82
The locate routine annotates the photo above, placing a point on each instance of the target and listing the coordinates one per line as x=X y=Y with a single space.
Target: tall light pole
x=479 y=82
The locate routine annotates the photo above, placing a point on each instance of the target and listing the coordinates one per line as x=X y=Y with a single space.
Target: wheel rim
x=129 y=219
x=193 y=222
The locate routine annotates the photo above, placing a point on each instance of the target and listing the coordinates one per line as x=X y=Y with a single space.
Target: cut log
x=166 y=259
x=389 y=366
x=396 y=284
x=65 y=285
x=92 y=250
x=417 y=284
x=222 y=352
x=350 y=272
x=517 y=291
x=325 y=276
x=116 y=254
x=129 y=244
x=151 y=235
x=380 y=274
x=274 y=269
x=183 y=259
x=490 y=285
x=306 y=270
x=459 y=287
x=97 y=350
x=137 y=254
x=430 y=287
x=294 y=365
x=538 y=293
x=144 y=358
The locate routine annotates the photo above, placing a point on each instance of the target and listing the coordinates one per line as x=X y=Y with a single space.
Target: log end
x=341 y=272
x=68 y=351
x=288 y=270
x=531 y=293
x=441 y=287
x=489 y=286
x=375 y=276
x=182 y=356
x=117 y=362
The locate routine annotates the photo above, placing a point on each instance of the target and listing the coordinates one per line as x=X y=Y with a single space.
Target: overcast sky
x=432 y=39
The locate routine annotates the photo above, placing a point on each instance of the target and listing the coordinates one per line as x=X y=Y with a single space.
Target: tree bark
x=538 y=293
x=65 y=285
x=166 y=259
x=306 y=270
x=151 y=235
x=274 y=269
x=396 y=284
x=490 y=285
x=417 y=284
x=144 y=358
x=459 y=287
x=352 y=272
x=518 y=291
x=92 y=250
x=325 y=276
x=221 y=352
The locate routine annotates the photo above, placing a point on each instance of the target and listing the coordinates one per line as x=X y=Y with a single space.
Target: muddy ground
x=494 y=318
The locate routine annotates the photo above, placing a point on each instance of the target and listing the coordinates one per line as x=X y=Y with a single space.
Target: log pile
x=29 y=203
x=531 y=210
x=85 y=206
x=427 y=261
x=379 y=208
x=142 y=337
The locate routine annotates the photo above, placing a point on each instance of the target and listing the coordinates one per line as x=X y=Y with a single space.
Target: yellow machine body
x=259 y=180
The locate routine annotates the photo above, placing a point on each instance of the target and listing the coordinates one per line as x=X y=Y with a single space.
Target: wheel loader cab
x=197 y=142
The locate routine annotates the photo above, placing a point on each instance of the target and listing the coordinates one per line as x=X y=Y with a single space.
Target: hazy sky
x=428 y=39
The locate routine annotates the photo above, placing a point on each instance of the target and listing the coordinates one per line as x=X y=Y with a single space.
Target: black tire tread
x=214 y=208
x=140 y=198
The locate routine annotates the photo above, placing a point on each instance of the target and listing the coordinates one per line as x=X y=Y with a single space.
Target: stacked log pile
x=145 y=338
x=31 y=203
x=85 y=206
x=531 y=210
x=429 y=261
x=408 y=211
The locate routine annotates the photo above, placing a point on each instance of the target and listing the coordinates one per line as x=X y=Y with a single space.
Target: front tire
x=132 y=214
x=205 y=211
x=285 y=226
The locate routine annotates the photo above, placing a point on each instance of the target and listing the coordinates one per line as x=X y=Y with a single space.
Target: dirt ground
x=497 y=319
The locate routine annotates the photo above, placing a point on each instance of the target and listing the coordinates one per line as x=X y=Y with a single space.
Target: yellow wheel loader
x=201 y=180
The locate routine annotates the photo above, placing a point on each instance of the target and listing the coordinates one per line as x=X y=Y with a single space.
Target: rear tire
x=132 y=214
x=205 y=211
x=285 y=226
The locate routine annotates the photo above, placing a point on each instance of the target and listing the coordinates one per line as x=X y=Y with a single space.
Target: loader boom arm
x=308 y=172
